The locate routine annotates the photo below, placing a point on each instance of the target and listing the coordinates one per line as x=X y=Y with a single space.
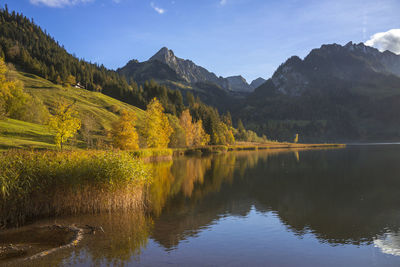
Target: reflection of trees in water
x=202 y=180
x=340 y=196
x=125 y=235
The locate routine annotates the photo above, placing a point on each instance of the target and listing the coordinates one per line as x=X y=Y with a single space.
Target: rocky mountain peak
x=164 y=55
x=238 y=84
x=257 y=82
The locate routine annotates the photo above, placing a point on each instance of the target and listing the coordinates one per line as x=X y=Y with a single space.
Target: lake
x=267 y=208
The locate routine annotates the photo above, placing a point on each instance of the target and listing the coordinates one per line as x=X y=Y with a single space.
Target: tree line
x=29 y=48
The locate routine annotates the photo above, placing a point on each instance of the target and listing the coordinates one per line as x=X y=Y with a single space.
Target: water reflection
x=389 y=244
x=125 y=236
x=340 y=197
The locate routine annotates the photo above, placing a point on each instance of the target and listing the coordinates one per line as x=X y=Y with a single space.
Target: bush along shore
x=50 y=183
x=42 y=184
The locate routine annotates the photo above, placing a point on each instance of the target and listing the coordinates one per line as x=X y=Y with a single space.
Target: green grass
x=87 y=103
x=103 y=109
x=26 y=135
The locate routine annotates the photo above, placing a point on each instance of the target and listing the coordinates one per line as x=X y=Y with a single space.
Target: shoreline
x=93 y=196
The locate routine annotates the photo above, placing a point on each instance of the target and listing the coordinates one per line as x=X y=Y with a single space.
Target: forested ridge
x=31 y=50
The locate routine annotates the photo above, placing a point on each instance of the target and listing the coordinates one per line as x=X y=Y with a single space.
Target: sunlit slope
x=95 y=104
x=102 y=109
x=20 y=134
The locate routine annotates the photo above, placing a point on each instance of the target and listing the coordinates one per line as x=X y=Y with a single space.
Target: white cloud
x=58 y=3
x=223 y=2
x=389 y=40
x=159 y=10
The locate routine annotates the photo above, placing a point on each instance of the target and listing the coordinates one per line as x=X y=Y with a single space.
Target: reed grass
x=35 y=184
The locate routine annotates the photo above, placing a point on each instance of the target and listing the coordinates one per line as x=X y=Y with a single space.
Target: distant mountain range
x=349 y=92
x=336 y=93
x=352 y=63
x=165 y=66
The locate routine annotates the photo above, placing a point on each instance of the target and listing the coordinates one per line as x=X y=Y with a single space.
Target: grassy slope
x=18 y=134
x=87 y=103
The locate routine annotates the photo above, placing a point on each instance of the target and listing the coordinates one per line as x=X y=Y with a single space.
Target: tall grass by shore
x=36 y=184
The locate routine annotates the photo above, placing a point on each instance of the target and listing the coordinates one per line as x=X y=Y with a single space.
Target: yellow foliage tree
x=185 y=121
x=201 y=138
x=157 y=129
x=296 y=138
x=12 y=95
x=65 y=123
x=70 y=80
x=230 y=139
x=123 y=133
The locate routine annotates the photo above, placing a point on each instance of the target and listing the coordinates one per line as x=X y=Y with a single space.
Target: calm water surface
x=305 y=208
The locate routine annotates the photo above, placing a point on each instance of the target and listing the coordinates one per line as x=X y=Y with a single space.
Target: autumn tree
x=200 y=137
x=157 y=130
x=4 y=91
x=185 y=121
x=178 y=137
x=65 y=123
x=12 y=95
x=296 y=138
x=123 y=132
x=71 y=80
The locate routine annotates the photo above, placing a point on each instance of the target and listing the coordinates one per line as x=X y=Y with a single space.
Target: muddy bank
x=29 y=243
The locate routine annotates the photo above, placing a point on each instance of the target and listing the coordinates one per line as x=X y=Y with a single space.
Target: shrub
x=49 y=183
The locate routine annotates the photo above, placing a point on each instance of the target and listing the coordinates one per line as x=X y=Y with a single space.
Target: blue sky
x=228 y=37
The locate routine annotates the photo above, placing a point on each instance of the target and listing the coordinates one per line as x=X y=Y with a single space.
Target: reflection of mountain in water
x=389 y=244
x=340 y=196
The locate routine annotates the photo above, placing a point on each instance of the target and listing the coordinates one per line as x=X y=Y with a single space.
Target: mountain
x=257 y=83
x=337 y=92
x=352 y=63
x=238 y=84
x=180 y=70
x=148 y=70
x=349 y=92
x=186 y=69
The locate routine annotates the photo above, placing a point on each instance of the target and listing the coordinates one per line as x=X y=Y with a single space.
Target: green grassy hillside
x=20 y=134
x=101 y=109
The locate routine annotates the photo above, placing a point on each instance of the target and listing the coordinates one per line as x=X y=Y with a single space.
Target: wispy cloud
x=389 y=40
x=223 y=2
x=159 y=10
x=58 y=3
